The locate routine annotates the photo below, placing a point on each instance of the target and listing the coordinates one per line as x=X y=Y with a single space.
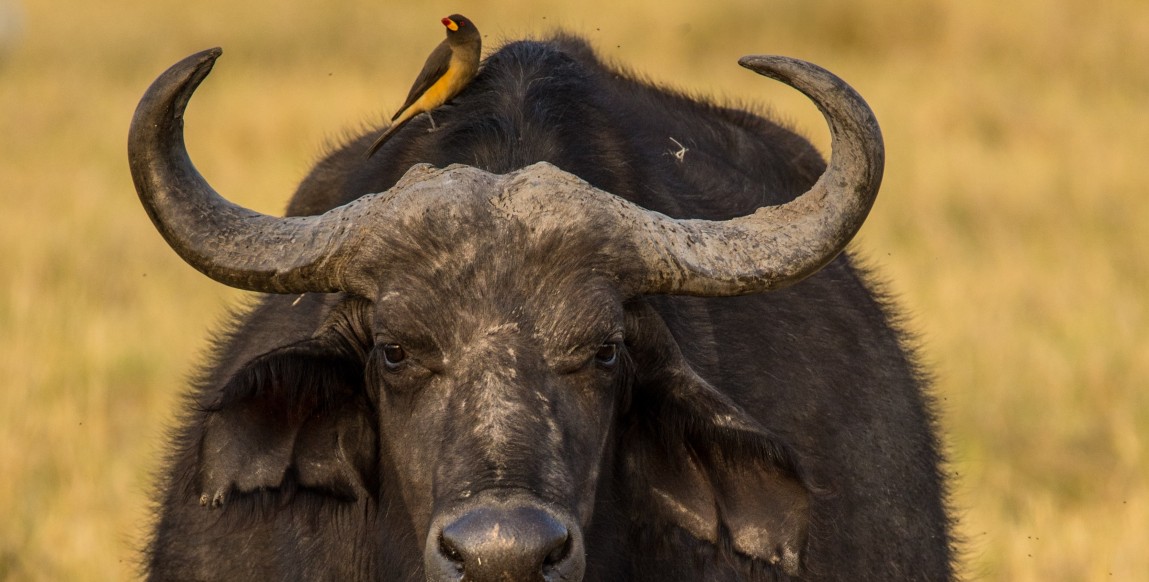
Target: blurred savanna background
x=1013 y=227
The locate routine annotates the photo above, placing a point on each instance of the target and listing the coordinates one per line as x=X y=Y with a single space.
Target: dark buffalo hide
x=499 y=378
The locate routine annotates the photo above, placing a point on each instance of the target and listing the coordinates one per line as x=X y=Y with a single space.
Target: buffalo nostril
x=559 y=553
x=449 y=551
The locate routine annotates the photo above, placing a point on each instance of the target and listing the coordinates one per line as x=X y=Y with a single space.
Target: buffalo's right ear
x=297 y=415
x=695 y=460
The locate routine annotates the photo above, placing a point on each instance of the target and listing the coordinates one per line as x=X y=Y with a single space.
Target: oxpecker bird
x=447 y=71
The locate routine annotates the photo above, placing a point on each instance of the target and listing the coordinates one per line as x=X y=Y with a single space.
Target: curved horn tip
x=165 y=100
x=784 y=68
x=752 y=61
x=212 y=53
x=195 y=67
x=206 y=56
x=833 y=96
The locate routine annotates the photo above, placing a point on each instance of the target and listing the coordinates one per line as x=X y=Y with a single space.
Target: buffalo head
x=487 y=339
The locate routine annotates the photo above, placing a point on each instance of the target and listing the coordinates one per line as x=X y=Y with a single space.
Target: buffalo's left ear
x=299 y=416
x=695 y=460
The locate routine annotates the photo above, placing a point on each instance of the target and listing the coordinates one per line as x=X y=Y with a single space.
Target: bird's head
x=460 y=27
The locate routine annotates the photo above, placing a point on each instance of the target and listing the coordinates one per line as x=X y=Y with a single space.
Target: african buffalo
x=586 y=329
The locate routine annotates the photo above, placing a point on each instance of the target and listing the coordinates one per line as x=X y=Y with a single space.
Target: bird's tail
x=386 y=136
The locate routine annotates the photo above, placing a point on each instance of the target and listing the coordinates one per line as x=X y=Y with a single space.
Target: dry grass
x=1012 y=225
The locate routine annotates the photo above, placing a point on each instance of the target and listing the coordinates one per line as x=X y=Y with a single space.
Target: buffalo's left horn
x=776 y=245
x=231 y=244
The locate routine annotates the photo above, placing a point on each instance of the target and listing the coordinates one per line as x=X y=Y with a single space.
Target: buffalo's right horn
x=231 y=244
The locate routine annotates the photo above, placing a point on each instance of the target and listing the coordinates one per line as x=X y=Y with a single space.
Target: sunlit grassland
x=1013 y=226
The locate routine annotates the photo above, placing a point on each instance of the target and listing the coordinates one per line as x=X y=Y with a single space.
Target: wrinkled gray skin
x=464 y=379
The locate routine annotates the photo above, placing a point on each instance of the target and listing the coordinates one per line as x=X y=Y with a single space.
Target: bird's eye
x=607 y=354
x=393 y=356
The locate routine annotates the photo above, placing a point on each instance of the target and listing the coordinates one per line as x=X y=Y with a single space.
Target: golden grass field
x=1013 y=226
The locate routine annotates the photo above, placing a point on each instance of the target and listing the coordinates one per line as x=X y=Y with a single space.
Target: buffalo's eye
x=393 y=356
x=607 y=354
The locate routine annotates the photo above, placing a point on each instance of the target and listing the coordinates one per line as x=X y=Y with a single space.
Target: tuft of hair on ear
x=296 y=380
x=761 y=445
